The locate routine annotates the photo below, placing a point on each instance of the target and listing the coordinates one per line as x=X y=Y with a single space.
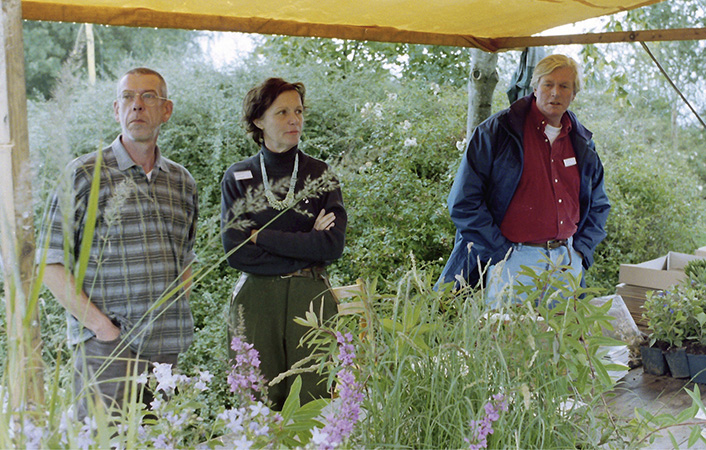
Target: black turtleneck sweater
x=289 y=243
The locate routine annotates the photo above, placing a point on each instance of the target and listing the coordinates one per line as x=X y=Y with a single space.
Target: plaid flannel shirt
x=143 y=241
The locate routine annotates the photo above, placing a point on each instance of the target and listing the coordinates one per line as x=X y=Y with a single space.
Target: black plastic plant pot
x=653 y=361
x=677 y=362
x=697 y=367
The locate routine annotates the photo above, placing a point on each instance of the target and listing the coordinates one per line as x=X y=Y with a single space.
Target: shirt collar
x=125 y=161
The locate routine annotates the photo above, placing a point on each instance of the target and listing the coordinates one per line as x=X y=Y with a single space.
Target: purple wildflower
x=346 y=350
x=341 y=421
x=480 y=429
x=245 y=376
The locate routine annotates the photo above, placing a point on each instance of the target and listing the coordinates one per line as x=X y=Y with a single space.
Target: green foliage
x=49 y=45
x=432 y=360
x=574 y=326
x=396 y=184
x=656 y=196
x=655 y=207
x=438 y=64
x=667 y=314
x=613 y=67
x=696 y=272
x=677 y=316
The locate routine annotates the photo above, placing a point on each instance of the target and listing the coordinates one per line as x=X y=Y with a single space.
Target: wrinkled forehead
x=141 y=83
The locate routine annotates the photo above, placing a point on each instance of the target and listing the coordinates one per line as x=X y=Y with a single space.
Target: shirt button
x=560 y=200
x=561 y=222
x=556 y=180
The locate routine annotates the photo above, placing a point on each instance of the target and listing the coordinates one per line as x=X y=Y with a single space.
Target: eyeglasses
x=149 y=98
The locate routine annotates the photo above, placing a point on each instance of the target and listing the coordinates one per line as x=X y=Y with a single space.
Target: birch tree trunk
x=24 y=350
x=481 y=85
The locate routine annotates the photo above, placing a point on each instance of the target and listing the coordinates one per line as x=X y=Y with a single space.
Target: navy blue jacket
x=486 y=182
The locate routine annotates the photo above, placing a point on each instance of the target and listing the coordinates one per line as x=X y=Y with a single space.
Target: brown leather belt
x=549 y=245
x=308 y=272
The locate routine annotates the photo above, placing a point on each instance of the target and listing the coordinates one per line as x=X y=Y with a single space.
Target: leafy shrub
x=656 y=196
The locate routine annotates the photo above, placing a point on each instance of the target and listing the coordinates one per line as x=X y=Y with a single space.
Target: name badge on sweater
x=242 y=175
x=568 y=162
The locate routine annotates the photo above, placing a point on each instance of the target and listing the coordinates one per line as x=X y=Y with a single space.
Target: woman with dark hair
x=288 y=241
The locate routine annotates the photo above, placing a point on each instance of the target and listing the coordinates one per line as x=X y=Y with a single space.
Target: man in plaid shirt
x=125 y=285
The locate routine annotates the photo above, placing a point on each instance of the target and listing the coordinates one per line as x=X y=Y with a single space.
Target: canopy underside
x=483 y=24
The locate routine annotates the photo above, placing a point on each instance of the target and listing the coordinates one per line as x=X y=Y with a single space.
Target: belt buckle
x=555 y=243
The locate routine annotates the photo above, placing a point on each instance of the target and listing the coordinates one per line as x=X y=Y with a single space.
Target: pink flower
x=341 y=421
x=480 y=429
x=245 y=377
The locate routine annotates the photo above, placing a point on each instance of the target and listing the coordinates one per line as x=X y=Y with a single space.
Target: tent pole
x=24 y=356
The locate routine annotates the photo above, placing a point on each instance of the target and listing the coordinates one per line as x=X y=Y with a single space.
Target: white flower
x=166 y=381
x=66 y=419
x=33 y=434
x=156 y=403
x=410 y=142
x=259 y=430
x=259 y=409
x=318 y=437
x=176 y=420
x=242 y=443
x=141 y=378
x=461 y=145
x=435 y=88
x=374 y=109
x=391 y=96
x=85 y=439
x=204 y=379
x=161 y=441
x=205 y=376
x=406 y=125
x=233 y=419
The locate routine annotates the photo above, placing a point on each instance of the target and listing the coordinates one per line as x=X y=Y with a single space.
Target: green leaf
x=695 y=436
x=90 y=226
x=605 y=341
x=390 y=325
x=687 y=414
x=291 y=404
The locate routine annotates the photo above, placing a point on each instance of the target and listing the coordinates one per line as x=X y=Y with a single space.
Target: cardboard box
x=660 y=273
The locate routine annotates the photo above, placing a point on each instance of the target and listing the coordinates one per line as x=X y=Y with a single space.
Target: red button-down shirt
x=546 y=203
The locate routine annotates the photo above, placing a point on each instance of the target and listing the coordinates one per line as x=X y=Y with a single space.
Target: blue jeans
x=502 y=278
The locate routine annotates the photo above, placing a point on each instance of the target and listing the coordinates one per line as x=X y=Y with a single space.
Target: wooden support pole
x=24 y=360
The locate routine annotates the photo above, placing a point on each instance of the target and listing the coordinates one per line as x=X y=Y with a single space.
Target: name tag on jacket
x=247 y=175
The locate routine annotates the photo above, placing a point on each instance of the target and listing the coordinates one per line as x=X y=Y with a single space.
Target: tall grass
x=432 y=361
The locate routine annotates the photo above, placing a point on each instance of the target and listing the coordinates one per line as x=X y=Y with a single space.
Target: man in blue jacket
x=529 y=189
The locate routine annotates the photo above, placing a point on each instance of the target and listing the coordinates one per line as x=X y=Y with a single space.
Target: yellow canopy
x=467 y=23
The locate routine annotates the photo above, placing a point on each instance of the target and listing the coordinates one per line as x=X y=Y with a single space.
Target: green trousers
x=270 y=304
